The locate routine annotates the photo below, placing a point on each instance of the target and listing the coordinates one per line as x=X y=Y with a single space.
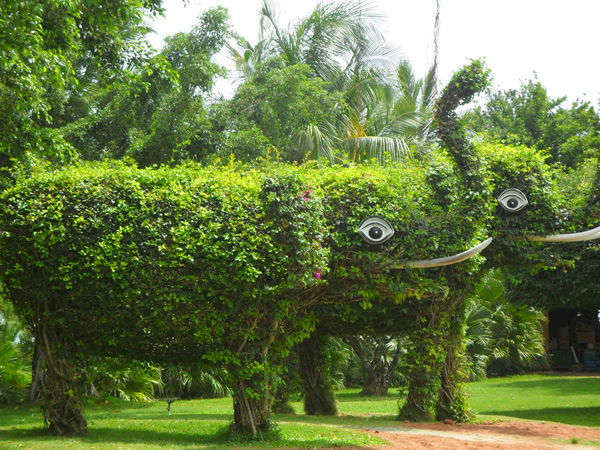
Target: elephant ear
x=593 y=205
x=579 y=187
x=591 y=210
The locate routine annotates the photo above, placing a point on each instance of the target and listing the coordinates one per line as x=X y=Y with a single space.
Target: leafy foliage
x=135 y=262
x=157 y=112
x=104 y=234
x=42 y=43
x=128 y=380
x=572 y=283
x=529 y=117
x=524 y=168
x=381 y=110
x=281 y=101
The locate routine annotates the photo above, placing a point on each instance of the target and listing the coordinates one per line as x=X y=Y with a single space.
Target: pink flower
x=306 y=195
x=318 y=274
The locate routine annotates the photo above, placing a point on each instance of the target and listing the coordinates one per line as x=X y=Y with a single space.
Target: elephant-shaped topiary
x=468 y=194
x=232 y=267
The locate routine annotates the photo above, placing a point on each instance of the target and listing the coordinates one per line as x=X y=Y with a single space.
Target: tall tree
x=158 y=113
x=336 y=40
x=274 y=106
x=529 y=116
x=41 y=40
x=343 y=46
x=392 y=118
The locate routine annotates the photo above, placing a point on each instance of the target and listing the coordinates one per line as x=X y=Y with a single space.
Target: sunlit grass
x=203 y=424
x=572 y=400
x=191 y=424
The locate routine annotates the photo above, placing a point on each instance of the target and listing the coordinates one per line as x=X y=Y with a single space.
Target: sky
x=555 y=39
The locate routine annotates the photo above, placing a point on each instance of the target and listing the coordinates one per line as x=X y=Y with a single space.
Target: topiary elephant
x=390 y=269
x=231 y=267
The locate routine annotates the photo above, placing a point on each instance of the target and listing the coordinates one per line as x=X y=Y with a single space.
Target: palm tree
x=478 y=340
x=192 y=382
x=502 y=338
x=129 y=380
x=388 y=109
x=519 y=343
x=391 y=118
x=15 y=368
x=337 y=40
x=250 y=57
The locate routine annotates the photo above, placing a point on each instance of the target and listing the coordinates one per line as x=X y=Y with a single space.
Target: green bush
x=15 y=355
x=222 y=267
x=15 y=372
x=171 y=265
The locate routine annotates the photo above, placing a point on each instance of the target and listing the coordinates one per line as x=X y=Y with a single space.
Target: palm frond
x=284 y=39
x=192 y=382
x=129 y=380
x=318 y=143
x=380 y=148
x=15 y=371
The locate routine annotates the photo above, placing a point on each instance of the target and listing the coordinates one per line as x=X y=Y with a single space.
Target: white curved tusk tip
x=589 y=235
x=448 y=260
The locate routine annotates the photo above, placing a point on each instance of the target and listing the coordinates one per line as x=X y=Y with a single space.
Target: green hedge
x=158 y=263
x=226 y=267
x=186 y=264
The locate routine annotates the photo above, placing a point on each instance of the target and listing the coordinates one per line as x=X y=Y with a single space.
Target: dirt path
x=509 y=435
x=491 y=435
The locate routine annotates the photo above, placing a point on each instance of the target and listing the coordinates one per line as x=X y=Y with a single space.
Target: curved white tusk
x=422 y=264
x=571 y=237
x=591 y=238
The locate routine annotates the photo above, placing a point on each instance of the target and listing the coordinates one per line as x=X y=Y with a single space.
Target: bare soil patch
x=504 y=435
x=492 y=435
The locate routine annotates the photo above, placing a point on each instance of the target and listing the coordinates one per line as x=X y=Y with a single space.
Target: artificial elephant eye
x=513 y=200
x=375 y=230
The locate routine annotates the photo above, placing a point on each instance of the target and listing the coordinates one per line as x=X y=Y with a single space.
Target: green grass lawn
x=197 y=424
x=202 y=424
x=573 y=400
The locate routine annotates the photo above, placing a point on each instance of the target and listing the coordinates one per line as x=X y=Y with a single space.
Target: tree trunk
x=391 y=369
x=282 y=395
x=379 y=370
x=61 y=402
x=452 y=398
x=425 y=363
x=34 y=393
x=319 y=398
x=417 y=407
x=251 y=416
x=374 y=385
x=251 y=378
